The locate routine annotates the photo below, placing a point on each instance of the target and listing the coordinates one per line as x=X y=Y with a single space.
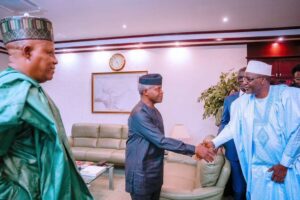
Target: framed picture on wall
x=115 y=92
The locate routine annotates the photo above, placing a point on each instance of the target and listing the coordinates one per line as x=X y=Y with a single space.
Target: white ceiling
x=83 y=19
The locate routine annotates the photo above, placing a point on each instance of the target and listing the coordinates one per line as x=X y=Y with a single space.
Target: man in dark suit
x=146 y=143
x=296 y=76
x=237 y=181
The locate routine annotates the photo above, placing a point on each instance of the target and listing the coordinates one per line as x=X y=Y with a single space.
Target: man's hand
x=208 y=144
x=205 y=153
x=279 y=173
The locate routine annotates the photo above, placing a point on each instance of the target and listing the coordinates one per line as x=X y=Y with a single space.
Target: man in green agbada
x=35 y=158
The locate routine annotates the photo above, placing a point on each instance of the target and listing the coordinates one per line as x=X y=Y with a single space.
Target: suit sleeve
x=226 y=114
x=151 y=132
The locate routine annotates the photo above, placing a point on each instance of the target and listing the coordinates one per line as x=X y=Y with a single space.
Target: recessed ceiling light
x=177 y=43
x=140 y=44
x=124 y=26
x=219 y=39
x=225 y=19
x=280 y=39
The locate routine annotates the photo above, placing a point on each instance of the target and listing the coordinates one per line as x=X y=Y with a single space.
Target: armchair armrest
x=224 y=175
x=196 y=194
x=179 y=158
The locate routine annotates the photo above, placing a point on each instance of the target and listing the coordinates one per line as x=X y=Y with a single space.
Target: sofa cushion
x=80 y=152
x=123 y=144
x=118 y=156
x=108 y=143
x=179 y=176
x=111 y=131
x=85 y=134
x=88 y=130
x=124 y=132
x=124 y=137
x=110 y=136
x=97 y=154
x=84 y=142
x=208 y=173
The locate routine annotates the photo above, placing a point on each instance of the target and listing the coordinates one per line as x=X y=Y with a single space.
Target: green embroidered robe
x=35 y=157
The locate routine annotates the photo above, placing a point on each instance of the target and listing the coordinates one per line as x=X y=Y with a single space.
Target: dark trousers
x=237 y=181
x=152 y=196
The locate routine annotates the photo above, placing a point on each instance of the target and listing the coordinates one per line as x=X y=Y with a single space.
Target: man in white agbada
x=265 y=126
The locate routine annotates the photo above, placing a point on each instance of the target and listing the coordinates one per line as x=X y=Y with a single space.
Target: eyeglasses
x=248 y=79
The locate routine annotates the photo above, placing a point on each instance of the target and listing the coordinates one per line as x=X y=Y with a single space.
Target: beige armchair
x=187 y=179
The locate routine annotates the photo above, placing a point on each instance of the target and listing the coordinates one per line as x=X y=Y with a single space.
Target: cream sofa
x=188 y=179
x=99 y=142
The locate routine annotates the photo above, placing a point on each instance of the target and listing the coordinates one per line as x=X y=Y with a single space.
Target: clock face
x=117 y=62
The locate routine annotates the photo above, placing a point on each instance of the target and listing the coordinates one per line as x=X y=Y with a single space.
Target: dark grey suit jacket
x=145 y=150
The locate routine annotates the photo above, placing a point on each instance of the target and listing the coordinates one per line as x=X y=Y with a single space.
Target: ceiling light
x=280 y=39
x=219 y=39
x=225 y=19
x=139 y=45
x=124 y=26
x=177 y=43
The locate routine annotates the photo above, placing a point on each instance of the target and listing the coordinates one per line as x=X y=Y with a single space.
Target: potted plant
x=214 y=96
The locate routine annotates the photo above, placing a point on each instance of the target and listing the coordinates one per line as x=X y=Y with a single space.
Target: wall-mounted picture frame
x=115 y=92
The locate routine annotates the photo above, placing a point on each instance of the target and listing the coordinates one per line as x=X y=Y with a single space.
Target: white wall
x=3 y=61
x=186 y=73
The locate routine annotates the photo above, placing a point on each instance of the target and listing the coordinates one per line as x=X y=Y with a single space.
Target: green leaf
x=213 y=97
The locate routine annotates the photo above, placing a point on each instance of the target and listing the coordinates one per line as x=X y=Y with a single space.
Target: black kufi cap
x=151 y=79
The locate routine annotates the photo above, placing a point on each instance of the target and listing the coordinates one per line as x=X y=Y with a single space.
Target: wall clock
x=117 y=62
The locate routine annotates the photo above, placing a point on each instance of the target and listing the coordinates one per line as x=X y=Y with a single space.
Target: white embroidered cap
x=258 y=67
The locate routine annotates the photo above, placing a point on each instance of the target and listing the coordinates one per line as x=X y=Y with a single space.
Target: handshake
x=206 y=151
